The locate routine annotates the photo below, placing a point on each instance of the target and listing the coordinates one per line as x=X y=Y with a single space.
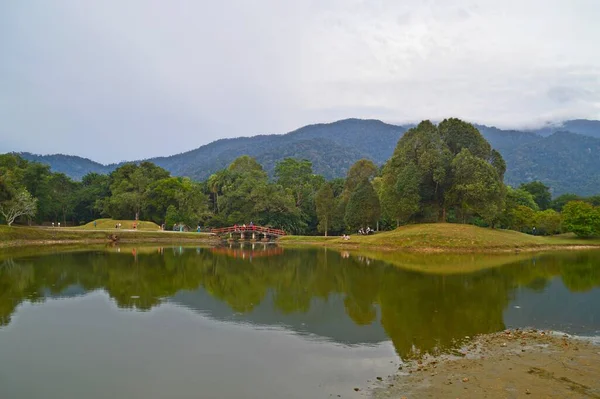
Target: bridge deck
x=249 y=229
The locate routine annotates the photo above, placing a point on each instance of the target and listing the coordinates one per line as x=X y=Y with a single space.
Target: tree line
x=437 y=173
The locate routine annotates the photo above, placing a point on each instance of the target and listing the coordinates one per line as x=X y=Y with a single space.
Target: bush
x=582 y=218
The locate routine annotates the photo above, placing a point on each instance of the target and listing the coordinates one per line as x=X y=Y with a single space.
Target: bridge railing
x=249 y=229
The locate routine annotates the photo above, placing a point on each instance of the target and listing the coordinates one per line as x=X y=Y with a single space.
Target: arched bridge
x=249 y=232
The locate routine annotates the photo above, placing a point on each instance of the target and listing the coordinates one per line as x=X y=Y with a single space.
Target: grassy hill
x=446 y=237
x=106 y=224
x=21 y=236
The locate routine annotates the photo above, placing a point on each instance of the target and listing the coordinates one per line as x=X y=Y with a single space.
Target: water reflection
x=344 y=297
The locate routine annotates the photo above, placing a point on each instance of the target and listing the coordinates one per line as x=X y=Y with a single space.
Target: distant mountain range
x=566 y=157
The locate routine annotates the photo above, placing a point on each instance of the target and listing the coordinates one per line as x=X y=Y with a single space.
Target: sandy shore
x=510 y=364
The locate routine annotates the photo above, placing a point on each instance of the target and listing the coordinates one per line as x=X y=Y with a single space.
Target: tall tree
x=325 y=203
x=296 y=176
x=400 y=194
x=541 y=193
x=363 y=207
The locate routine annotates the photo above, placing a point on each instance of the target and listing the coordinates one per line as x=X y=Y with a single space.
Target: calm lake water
x=177 y=322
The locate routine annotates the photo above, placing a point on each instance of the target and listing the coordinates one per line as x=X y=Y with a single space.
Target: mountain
x=506 y=140
x=564 y=160
x=567 y=162
x=332 y=147
x=581 y=126
x=71 y=165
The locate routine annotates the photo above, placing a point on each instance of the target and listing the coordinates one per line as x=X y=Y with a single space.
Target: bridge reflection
x=248 y=251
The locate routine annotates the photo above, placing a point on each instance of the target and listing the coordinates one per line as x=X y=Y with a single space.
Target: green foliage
x=548 y=222
x=363 y=208
x=325 y=207
x=477 y=189
x=400 y=194
x=563 y=160
x=523 y=218
x=519 y=196
x=582 y=218
x=172 y=217
x=21 y=204
x=540 y=192
x=434 y=171
x=559 y=202
x=442 y=167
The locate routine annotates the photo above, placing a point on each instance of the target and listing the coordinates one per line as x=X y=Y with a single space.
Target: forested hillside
x=73 y=166
x=336 y=146
x=565 y=163
x=580 y=126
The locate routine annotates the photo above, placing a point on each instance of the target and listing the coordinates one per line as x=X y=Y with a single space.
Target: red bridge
x=247 y=232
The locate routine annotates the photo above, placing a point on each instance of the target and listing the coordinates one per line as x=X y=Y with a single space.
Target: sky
x=117 y=80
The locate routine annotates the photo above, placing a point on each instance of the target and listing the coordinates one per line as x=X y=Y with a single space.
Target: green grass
x=446 y=237
x=17 y=235
x=106 y=224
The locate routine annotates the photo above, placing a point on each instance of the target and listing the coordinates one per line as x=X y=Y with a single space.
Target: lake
x=263 y=321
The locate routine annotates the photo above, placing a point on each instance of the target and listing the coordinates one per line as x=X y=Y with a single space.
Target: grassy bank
x=106 y=224
x=17 y=236
x=446 y=237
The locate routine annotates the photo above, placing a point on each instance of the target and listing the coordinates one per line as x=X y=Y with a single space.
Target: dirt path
x=510 y=364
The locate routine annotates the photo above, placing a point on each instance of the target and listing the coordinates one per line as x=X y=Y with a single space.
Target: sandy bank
x=510 y=364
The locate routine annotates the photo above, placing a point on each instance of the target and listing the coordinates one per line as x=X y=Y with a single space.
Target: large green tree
x=540 y=192
x=476 y=187
x=582 y=218
x=432 y=150
x=363 y=208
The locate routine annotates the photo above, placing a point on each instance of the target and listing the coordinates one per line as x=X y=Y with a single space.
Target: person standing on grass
x=94 y=224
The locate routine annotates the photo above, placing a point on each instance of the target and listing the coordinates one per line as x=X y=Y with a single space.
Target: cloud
x=124 y=80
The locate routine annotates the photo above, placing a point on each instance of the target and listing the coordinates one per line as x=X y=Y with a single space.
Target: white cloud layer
x=115 y=80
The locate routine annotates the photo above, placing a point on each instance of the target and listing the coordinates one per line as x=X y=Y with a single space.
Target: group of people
x=366 y=231
x=243 y=227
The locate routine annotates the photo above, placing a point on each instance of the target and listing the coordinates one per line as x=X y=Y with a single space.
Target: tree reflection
x=419 y=312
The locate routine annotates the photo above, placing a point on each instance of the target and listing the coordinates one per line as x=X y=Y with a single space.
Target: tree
x=548 y=222
x=400 y=194
x=361 y=170
x=324 y=202
x=459 y=135
x=541 y=193
x=559 y=202
x=431 y=149
x=581 y=218
x=523 y=218
x=477 y=188
x=363 y=208
x=21 y=204
x=63 y=196
x=295 y=175
x=519 y=196
x=129 y=185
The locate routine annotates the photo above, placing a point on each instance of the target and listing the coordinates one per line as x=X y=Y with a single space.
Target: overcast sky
x=122 y=79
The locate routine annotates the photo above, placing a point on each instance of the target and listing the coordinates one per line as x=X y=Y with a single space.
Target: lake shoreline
x=42 y=243
x=345 y=245
x=504 y=364
x=446 y=238
x=43 y=236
